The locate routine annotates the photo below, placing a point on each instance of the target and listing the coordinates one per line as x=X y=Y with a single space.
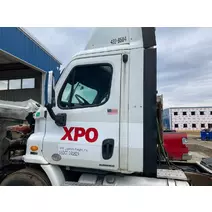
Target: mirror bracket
x=60 y=119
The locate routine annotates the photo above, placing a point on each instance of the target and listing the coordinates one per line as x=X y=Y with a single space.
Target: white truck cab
x=101 y=115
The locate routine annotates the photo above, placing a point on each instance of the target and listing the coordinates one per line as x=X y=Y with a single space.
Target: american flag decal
x=112 y=111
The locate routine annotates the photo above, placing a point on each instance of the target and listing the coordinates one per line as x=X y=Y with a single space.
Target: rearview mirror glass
x=50 y=89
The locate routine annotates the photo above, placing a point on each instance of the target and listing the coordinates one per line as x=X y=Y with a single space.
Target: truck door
x=88 y=92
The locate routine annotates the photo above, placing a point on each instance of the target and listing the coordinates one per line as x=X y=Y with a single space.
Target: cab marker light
x=34 y=148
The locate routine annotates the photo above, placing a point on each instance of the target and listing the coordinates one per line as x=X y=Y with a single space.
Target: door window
x=86 y=93
x=15 y=84
x=86 y=86
x=3 y=85
x=66 y=93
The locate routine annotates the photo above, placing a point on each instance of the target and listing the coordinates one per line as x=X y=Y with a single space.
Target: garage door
x=20 y=85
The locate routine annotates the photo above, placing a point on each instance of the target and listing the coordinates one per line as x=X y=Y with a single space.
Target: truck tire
x=26 y=177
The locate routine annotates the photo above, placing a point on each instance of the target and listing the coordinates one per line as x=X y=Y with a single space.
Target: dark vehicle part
x=169 y=131
x=196 y=174
x=199 y=179
x=13 y=144
x=207 y=162
x=60 y=119
x=26 y=177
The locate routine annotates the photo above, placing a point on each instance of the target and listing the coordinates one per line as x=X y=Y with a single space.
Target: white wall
x=189 y=119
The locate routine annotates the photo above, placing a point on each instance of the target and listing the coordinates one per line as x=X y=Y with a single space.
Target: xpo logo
x=90 y=135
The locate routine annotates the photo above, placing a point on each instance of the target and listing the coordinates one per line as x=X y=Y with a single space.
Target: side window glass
x=85 y=93
x=66 y=93
x=86 y=86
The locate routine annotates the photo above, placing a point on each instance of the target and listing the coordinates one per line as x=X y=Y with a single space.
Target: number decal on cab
x=118 y=40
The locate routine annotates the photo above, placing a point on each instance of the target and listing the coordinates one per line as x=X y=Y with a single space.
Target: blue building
x=166 y=119
x=24 y=63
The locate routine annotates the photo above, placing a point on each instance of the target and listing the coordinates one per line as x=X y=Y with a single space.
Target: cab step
x=70 y=183
x=164 y=178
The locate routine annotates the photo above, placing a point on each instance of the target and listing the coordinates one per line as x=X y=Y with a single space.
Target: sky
x=184 y=62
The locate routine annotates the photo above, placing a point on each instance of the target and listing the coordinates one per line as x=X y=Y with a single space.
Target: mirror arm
x=60 y=119
x=51 y=112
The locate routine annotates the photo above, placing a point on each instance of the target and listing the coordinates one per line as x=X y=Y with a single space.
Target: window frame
x=176 y=125
x=184 y=125
x=184 y=113
x=21 y=88
x=10 y=84
x=175 y=113
x=87 y=106
x=7 y=82
x=192 y=126
x=31 y=78
x=193 y=112
x=202 y=112
x=203 y=125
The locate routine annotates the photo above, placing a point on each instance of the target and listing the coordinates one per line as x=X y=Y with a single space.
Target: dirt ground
x=199 y=149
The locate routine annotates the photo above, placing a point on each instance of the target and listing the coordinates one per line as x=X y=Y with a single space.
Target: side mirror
x=50 y=89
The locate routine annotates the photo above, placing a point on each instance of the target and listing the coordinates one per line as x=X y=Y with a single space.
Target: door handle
x=107 y=148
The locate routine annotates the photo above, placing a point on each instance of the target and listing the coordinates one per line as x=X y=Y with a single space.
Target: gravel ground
x=197 y=156
x=199 y=149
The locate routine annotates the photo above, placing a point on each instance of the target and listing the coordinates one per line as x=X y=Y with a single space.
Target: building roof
x=17 y=44
x=35 y=40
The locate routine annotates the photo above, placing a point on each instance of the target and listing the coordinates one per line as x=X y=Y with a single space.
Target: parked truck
x=101 y=124
x=175 y=144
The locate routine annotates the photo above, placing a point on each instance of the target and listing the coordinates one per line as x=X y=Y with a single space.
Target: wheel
x=26 y=177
